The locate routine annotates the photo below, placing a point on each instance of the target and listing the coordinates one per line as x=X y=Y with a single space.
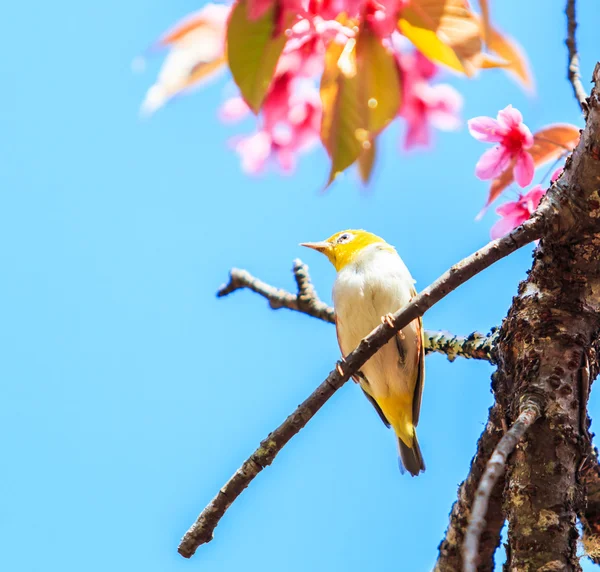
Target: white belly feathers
x=377 y=283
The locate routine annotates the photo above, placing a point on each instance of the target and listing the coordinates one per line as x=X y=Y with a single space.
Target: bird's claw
x=388 y=319
x=339 y=368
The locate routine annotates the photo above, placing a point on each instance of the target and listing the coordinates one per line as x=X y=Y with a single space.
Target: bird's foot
x=389 y=320
x=339 y=367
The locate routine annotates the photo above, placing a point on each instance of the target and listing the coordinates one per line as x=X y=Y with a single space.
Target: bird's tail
x=411 y=458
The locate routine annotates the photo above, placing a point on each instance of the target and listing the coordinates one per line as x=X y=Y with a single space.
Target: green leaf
x=379 y=81
x=360 y=94
x=253 y=50
x=342 y=130
x=366 y=162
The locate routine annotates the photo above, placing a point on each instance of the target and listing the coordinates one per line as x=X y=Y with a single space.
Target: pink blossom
x=423 y=104
x=514 y=138
x=234 y=109
x=307 y=38
x=515 y=213
x=555 y=176
x=382 y=15
x=290 y=125
x=254 y=151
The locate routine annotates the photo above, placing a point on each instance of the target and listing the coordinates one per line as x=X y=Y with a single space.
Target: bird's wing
x=420 y=369
x=377 y=408
x=361 y=377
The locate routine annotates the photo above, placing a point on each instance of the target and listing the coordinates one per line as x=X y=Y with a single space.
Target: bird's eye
x=346 y=237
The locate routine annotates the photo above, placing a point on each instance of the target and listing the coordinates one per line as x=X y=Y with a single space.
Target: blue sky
x=130 y=393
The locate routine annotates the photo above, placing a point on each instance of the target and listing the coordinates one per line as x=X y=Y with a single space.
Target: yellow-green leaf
x=366 y=162
x=445 y=31
x=360 y=95
x=379 y=81
x=427 y=41
x=342 y=131
x=253 y=50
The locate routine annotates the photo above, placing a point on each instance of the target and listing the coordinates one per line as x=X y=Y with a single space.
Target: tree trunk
x=545 y=349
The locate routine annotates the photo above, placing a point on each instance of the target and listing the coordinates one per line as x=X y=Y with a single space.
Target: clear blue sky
x=130 y=393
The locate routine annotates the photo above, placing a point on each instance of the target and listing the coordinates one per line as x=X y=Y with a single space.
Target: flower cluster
x=289 y=122
x=514 y=139
x=513 y=158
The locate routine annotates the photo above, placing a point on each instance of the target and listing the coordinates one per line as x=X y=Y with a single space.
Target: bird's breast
x=365 y=291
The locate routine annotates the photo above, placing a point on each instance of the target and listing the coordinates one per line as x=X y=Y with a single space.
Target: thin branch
x=202 y=530
x=530 y=412
x=450 y=549
x=473 y=346
x=573 y=70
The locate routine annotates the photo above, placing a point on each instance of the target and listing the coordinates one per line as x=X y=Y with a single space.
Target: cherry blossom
x=513 y=138
x=517 y=212
x=425 y=105
x=289 y=125
x=382 y=15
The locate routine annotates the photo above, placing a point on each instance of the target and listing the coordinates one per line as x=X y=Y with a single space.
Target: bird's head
x=343 y=247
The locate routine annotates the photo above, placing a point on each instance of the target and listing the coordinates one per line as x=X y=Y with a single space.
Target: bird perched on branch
x=372 y=282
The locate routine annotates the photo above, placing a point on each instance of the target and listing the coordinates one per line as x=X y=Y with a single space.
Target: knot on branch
x=264 y=455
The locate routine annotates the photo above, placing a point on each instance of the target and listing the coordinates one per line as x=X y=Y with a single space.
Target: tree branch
x=590 y=515
x=202 y=530
x=450 y=549
x=306 y=301
x=573 y=69
x=494 y=469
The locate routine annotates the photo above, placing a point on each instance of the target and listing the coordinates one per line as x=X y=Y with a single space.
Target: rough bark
x=450 y=549
x=590 y=517
x=545 y=349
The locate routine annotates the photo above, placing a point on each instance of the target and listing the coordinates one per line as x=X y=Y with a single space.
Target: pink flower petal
x=509 y=117
x=286 y=159
x=512 y=208
x=486 y=129
x=556 y=174
x=444 y=114
x=505 y=225
x=524 y=169
x=532 y=199
x=254 y=151
x=492 y=163
x=526 y=136
x=234 y=109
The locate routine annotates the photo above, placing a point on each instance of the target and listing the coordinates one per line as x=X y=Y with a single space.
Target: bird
x=371 y=283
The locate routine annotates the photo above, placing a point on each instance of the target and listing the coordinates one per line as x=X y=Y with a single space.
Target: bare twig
x=474 y=346
x=202 y=530
x=530 y=412
x=450 y=549
x=573 y=69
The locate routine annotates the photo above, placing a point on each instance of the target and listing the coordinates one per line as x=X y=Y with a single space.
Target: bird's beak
x=322 y=246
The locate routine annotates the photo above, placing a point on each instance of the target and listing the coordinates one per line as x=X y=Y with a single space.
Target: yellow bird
x=372 y=282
